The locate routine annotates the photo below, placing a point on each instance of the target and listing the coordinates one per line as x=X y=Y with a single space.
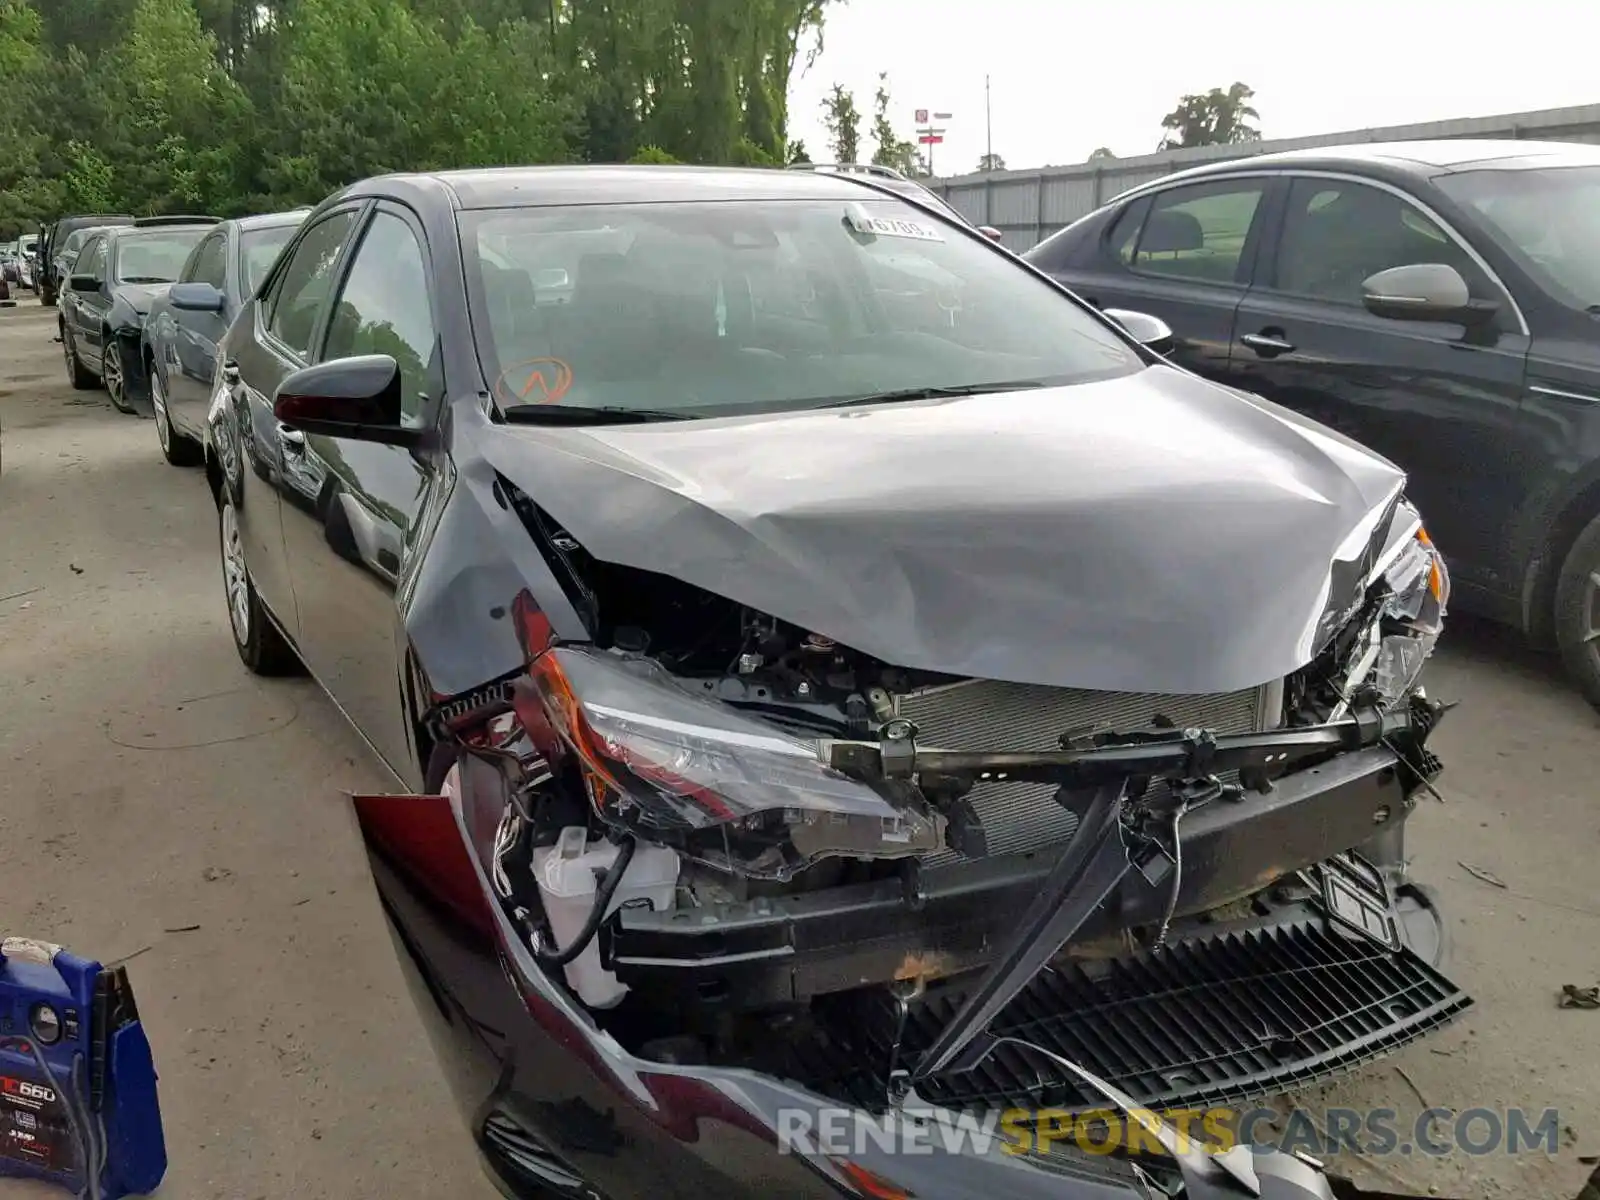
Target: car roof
x=275 y=220
x=525 y=187
x=1420 y=159
x=128 y=231
x=91 y=221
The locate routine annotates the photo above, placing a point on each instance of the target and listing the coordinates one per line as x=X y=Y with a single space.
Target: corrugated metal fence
x=1028 y=206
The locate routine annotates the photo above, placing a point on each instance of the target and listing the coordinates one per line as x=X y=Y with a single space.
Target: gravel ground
x=168 y=808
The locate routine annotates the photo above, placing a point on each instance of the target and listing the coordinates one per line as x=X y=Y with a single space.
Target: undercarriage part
x=1212 y=1020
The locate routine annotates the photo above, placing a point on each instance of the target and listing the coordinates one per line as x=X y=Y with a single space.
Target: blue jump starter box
x=78 y=1105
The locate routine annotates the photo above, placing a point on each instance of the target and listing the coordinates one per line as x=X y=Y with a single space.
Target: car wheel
x=114 y=374
x=261 y=645
x=79 y=375
x=1578 y=611
x=177 y=449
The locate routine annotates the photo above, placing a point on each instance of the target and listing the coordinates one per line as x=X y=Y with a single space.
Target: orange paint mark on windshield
x=535 y=381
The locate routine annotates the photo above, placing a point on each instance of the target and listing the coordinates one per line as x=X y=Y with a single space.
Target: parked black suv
x=1439 y=302
x=52 y=271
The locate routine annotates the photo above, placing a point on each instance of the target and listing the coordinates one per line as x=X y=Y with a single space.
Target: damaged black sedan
x=831 y=669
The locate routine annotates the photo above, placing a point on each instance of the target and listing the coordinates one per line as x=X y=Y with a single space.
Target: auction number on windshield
x=894 y=227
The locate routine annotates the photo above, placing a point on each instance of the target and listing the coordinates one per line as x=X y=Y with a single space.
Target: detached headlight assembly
x=1397 y=645
x=720 y=786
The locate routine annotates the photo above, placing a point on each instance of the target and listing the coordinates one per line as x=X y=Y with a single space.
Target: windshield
x=718 y=308
x=155 y=257
x=1549 y=220
x=258 y=250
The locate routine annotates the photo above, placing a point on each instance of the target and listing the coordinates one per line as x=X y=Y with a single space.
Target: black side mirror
x=1150 y=332
x=83 y=283
x=1425 y=292
x=356 y=398
x=196 y=297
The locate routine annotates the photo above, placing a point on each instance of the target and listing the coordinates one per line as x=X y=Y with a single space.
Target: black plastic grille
x=1210 y=1021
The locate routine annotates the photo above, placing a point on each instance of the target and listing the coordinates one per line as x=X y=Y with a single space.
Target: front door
x=86 y=309
x=1184 y=255
x=261 y=353
x=192 y=349
x=347 y=536
x=1438 y=401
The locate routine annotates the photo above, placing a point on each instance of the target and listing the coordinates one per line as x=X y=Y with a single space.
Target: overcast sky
x=1068 y=77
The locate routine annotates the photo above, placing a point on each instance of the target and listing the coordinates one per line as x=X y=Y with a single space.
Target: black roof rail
x=156 y=222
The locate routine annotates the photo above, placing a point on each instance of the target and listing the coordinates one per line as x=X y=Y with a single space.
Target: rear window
x=258 y=250
x=156 y=256
x=717 y=308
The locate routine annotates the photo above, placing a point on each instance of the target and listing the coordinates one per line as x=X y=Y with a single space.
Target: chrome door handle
x=291 y=437
x=1267 y=346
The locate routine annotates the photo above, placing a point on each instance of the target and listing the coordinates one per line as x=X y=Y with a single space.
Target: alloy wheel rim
x=158 y=401
x=234 y=577
x=113 y=374
x=1591 y=637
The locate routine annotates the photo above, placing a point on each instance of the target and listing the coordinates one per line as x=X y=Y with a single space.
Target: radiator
x=1009 y=717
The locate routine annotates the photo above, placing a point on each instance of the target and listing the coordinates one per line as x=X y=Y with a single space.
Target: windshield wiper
x=935 y=393
x=143 y=279
x=577 y=414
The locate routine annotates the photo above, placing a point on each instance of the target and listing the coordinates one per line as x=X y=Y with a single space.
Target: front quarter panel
x=519 y=1053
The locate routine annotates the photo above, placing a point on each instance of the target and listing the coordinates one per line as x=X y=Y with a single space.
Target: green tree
x=22 y=65
x=1214 y=118
x=174 y=116
x=843 y=121
x=991 y=162
x=892 y=150
x=246 y=105
x=1101 y=154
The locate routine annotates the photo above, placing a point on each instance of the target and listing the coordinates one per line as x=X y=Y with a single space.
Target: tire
x=178 y=450
x=261 y=645
x=81 y=378
x=114 y=373
x=1578 y=612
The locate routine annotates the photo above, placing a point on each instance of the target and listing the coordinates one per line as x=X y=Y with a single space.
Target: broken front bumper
x=1324 y=982
x=790 y=948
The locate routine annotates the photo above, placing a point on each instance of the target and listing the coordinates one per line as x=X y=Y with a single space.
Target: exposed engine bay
x=736 y=839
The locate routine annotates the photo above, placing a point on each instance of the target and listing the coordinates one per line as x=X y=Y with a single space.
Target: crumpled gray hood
x=1150 y=533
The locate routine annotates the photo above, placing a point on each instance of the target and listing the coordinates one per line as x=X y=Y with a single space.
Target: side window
x=303 y=286
x=1124 y=234
x=1336 y=234
x=92 y=260
x=208 y=263
x=383 y=308
x=1198 y=232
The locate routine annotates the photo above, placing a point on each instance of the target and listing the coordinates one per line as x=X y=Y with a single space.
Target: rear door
x=1183 y=254
x=346 y=537
x=190 y=339
x=1439 y=401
